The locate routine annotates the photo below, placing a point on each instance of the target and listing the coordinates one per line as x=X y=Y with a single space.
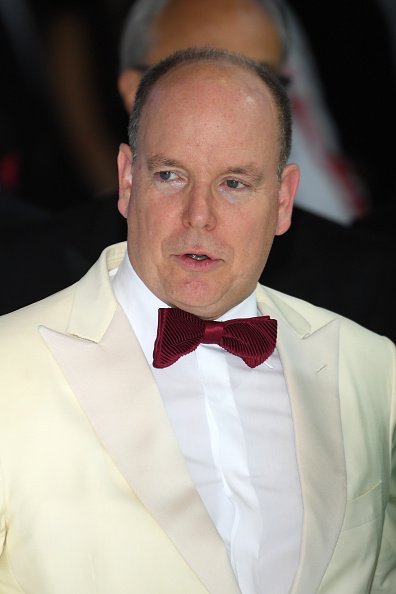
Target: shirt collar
x=141 y=306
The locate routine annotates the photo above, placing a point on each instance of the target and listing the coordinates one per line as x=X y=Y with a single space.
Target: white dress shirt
x=235 y=430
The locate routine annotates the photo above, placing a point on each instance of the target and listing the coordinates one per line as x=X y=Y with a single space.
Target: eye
x=234 y=184
x=166 y=175
x=236 y=190
x=168 y=181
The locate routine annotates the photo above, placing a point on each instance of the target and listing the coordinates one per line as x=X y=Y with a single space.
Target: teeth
x=198 y=257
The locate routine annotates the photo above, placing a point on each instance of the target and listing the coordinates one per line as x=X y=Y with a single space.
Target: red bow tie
x=179 y=333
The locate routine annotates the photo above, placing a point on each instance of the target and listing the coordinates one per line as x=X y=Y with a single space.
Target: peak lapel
x=310 y=364
x=123 y=404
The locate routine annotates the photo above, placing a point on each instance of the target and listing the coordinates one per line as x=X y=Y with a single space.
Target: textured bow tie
x=179 y=333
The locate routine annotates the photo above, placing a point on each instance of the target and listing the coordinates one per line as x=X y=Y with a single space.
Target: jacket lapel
x=114 y=385
x=309 y=357
x=107 y=371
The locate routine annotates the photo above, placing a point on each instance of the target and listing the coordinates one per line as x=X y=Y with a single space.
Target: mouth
x=198 y=261
x=198 y=257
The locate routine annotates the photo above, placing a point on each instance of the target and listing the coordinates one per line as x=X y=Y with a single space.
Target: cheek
x=150 y=224
x=254 y=234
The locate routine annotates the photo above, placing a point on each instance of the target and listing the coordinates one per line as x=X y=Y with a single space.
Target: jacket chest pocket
x=355 y=557
x=364 y=509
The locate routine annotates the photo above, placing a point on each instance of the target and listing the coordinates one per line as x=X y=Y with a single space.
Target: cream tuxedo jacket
x=95 y=497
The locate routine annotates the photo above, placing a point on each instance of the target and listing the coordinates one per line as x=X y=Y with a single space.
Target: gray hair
x=136 y=32
x=195 y=55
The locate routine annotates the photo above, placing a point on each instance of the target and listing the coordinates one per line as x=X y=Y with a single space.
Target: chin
x=199 y=307
x=192 y=293
x=203 y=308
x=202 y=311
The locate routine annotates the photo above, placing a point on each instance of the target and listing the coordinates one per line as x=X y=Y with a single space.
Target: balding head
x=262 y=75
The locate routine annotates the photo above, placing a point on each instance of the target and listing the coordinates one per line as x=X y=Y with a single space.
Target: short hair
x=136 y=32
x=212 y=55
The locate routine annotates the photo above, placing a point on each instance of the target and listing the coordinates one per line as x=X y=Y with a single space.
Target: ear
x=127 y=84
x=287 y=191
x=124 y=162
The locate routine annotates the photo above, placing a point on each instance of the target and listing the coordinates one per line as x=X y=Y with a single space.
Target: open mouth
x=198 y=257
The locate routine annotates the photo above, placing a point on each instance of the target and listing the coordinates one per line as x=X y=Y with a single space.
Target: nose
x=199 y=208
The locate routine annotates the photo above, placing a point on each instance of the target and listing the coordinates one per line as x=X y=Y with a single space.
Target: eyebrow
x=162 y=161
x=250 y=171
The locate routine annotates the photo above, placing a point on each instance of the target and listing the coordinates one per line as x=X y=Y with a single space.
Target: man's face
x=236 y=25
x=203 y=201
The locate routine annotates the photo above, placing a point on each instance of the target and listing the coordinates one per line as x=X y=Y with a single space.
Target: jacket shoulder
x=51 y=311
x=316 y=317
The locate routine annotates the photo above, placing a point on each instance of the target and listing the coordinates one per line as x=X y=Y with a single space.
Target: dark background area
x=352 y=44
x=47 y=172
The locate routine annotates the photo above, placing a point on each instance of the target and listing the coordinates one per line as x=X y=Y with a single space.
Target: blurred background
x=62 y=119
x=61 y=116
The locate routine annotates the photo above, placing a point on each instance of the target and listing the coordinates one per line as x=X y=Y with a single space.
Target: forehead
x=218 y=80
x=210 y=105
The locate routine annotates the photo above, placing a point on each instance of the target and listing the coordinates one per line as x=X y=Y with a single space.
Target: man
x=203 y=472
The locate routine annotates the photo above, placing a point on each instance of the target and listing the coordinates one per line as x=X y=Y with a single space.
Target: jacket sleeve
x=385 y=576
x=2 y=515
